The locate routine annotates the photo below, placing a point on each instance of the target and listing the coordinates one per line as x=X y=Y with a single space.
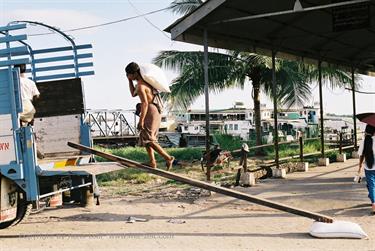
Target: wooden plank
x=53 y=59
x=14 y=51
x=12 y=38
x=14 y=62
x=13 y=27
x=62 y=58
x=59 y=49
x=55 y=77
x=60 y=67
x=207 y=186
x=86 y=73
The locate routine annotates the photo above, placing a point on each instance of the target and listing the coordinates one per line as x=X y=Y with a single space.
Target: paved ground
x=211 y=223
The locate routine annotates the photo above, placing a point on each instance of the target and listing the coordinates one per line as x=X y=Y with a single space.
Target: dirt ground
x=213 y=222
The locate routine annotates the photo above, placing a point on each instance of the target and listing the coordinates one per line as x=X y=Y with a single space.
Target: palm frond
x=184 y=7
x=292 y=86
x=223 y=73
x=331 y=75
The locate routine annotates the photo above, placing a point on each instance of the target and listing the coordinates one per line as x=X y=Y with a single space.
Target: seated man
x=29 y=92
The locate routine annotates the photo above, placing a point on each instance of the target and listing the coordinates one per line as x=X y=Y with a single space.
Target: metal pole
x=321 y=109
x=340 y=143
x=354 y=112
x=206 y=94
x=276 y=132
x=301 y=148
x=205 y=66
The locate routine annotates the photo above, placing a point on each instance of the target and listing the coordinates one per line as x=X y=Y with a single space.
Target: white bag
x=337 y=229
x=155 y=76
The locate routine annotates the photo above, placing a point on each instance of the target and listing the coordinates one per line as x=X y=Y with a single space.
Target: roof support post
x=274 y=94
x=354 y=112
x=321 y=108
x=206 y=96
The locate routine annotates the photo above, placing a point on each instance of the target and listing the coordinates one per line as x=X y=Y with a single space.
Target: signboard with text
x=7 y=149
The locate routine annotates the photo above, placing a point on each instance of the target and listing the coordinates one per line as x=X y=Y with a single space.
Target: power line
x=147 y=20
x=103 y=24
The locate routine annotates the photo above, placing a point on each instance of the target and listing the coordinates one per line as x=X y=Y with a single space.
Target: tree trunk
x=257 y=114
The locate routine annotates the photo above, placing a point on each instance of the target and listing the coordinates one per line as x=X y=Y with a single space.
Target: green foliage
x=184 y=6
x=228 y=142
x=332 y=156
x=135 y=175
x=287 y=150
x=186 y=154
x=139 y=154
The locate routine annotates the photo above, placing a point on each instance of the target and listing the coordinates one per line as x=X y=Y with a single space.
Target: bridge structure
x=112 y=126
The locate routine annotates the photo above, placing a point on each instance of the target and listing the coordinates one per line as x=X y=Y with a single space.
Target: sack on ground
x=337 y=229
x=154 y=76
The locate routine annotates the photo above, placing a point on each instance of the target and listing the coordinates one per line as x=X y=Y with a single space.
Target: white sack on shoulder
x=155 y=76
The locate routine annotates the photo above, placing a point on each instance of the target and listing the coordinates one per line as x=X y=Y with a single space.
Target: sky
x=139 y=40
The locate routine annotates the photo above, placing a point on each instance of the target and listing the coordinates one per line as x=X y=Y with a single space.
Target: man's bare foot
x=150 y=164
x=170 y=163
x=153 y=165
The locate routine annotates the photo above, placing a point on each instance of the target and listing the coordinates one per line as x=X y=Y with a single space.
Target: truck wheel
x=23 y=210
x=87 y=197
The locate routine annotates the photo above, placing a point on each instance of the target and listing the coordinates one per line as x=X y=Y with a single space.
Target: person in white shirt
x=29 y=92
x=366 y=151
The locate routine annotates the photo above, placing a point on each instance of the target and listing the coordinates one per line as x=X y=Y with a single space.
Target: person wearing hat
x=366 y=152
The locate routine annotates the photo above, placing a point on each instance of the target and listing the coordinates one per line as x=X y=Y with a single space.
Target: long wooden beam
x=204 y=185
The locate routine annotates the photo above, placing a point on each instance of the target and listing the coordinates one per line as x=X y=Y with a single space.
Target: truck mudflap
x=13 y=205
x=8 y=200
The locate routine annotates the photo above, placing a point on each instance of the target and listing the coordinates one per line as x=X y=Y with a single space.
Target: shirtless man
x=150 y=118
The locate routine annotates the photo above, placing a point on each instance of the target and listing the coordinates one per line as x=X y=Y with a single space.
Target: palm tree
x=231 y=69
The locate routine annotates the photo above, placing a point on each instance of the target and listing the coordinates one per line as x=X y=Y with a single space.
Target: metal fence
x=110 y=123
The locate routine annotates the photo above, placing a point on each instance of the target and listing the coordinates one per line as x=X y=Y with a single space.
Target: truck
x=65 y=174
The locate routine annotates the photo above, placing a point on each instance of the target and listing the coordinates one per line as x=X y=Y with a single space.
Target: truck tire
x=23 y=210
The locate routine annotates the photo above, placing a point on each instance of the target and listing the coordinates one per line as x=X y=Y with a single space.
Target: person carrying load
x=150 y=113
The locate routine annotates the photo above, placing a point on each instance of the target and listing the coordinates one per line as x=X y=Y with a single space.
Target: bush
x=228 y=142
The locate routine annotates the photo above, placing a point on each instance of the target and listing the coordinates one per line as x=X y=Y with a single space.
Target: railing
x=244 y=153
x=110 y=123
